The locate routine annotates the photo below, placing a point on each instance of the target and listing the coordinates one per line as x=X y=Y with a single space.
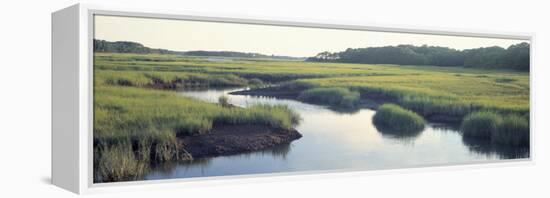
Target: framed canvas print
x=141 y=97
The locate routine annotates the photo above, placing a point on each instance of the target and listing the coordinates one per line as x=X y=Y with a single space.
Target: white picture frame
x=72 y=96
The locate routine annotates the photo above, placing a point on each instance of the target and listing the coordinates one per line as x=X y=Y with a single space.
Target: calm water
x=337 y=140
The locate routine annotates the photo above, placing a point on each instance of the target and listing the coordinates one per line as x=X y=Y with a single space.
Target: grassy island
x=394 y=118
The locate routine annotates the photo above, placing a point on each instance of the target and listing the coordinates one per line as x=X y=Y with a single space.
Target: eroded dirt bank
x=235 y=139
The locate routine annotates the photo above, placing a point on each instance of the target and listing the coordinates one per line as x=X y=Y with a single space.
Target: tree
x=514 y=57
x=485 y=57
x=517 y=56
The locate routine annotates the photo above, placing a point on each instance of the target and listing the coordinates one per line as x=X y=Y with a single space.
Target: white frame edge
x=73 y=170
x=65 y=118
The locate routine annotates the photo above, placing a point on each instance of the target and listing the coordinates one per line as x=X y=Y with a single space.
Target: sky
x=183 y=35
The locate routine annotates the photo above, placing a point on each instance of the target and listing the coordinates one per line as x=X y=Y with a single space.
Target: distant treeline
x=514 y=57
x=133 y=47
x=127 y=47
x=237 y=54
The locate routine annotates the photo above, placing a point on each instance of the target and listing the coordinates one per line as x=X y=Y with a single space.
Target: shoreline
x=226 y=140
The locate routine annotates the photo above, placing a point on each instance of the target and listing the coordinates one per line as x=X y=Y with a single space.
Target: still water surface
x=337 y=141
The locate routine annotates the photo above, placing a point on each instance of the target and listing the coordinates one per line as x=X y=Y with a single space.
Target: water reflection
x=168 y=167
x=344 y=110
x=280 y=151
x=405 y=136
x=203 y=166
x=446 y=127
x=486 y=147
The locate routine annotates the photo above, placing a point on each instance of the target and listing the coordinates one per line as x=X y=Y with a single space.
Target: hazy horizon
x=183 y=35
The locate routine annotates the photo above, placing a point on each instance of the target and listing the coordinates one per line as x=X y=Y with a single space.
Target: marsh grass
x=505 y=129
x=276 y=116
x=427 y=90
x=436 y=94
x=255 y=82
x=504 y=80
x=393 y=118
x=333 y=96
x=137 y=126
x=481 y=124
x=514 y=130
x=168 y=80
x=118 y=163
x=127 y=112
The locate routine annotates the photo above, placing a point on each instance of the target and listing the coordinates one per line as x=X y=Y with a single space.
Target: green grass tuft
x=481 y=124
x=394 y=118
x=118 y=163
x=514 y=130
x=505 y=129
x=337 y=96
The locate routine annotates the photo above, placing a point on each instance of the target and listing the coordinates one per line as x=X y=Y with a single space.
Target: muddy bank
x=235 y=139
x=368 y=100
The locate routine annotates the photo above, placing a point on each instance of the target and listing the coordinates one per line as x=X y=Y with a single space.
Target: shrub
x=481 y=124
x=394 y=118
x=224 y=101
x=514 y=131
x=340 y=97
